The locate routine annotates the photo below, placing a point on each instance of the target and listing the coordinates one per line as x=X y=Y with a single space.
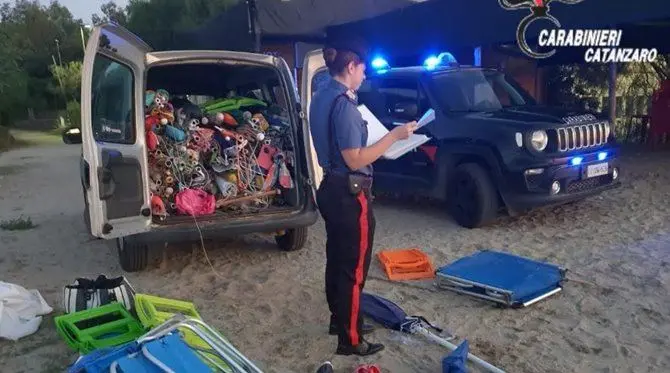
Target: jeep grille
x=582 y=136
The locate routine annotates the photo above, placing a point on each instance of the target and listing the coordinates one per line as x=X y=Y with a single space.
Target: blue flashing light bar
x=576 y=161
x=602 y=156
x=445 y=58
x=379 y=63
x=431 y=62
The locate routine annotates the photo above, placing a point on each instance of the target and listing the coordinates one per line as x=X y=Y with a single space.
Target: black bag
x=359 y=183
x=85 y=294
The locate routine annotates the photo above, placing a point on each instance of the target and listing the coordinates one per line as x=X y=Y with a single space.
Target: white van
x=118 y=69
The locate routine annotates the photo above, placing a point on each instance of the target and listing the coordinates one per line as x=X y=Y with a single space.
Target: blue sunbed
x=506 y=279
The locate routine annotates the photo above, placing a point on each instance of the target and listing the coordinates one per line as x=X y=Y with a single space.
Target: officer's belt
x=365 y=181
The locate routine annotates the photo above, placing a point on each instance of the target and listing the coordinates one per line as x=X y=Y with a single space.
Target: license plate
x=595 y=170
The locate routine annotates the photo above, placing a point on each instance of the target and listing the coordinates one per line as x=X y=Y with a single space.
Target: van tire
x=472 y=198
x=293 y=240
x=133 y=256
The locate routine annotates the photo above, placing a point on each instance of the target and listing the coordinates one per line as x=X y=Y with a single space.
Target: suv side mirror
x=406 y=110
x=72 y=135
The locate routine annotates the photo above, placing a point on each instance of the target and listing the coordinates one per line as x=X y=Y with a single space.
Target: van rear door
x=314 y=74
x=113 y=141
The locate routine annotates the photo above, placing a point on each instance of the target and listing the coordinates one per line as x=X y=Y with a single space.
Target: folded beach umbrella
x=393 y=317
x=390 y=315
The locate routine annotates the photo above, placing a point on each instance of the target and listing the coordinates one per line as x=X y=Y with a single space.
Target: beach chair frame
x=237 y=362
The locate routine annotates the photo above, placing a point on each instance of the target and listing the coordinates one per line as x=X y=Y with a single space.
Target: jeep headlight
x=539 y=140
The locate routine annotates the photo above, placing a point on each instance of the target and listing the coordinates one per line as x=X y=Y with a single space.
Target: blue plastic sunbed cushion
x=171 y=350
x=176 y=354
x=100 y=360
x=525 y=278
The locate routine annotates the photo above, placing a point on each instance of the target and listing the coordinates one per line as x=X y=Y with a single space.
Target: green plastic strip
x=106 y=326
x=226 y=105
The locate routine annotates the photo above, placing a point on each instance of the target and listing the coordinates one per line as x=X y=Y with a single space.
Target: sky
x=84 y=8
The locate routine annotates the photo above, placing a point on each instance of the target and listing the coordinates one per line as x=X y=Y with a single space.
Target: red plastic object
x=266 y=155
x=152 y=140
x=195 y=202
x=660 y=112
x=229 y=120
x=151 y=122
x=373 y=368
x=157 y=206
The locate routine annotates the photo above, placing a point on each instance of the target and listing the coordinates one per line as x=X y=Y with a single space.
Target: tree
x=67 y=80
x=158 y=21
x=13 y=82
x=33 y=36
x=110 y=12
x=584 y=85
x=662 y=67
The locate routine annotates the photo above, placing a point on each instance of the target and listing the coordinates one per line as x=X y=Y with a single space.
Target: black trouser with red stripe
x=350 y=228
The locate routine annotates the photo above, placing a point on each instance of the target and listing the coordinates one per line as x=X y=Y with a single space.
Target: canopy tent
x=297 y=20
x=445 y=25
x=439 y=25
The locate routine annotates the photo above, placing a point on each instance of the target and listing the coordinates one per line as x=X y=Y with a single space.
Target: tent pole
x=612 y=93
x=612 y=96
x=254 y=25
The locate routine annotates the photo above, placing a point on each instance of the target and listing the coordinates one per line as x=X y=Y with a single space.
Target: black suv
x=491 y=146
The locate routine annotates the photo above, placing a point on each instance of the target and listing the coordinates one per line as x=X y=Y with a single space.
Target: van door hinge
x=308 y=181
x=107 y=228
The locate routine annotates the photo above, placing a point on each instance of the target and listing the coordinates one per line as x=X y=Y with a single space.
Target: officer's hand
x=405 y=131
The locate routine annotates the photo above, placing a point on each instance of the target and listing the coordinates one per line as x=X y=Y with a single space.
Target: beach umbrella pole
x=443 y=342
x=393 y=317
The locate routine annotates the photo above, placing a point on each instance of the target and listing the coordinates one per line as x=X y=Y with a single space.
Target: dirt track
x=271 y=304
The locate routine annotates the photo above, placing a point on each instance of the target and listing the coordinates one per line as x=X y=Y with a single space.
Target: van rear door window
x=112 y=98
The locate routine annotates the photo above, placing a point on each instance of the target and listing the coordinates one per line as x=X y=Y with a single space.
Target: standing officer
x=340 y=140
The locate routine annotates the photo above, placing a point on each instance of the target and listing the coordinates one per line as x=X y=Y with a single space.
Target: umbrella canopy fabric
x=383 y=311
x=311 y=18
x=438 y=25
x=390 y=314
x=294 y=19
x=456 y=361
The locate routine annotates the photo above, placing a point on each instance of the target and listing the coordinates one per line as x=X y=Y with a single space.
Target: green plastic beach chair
x=154 y=311
x=106 y=326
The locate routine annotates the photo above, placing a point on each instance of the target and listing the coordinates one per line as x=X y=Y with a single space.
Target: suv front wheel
x=292 y=240
x=472 y=199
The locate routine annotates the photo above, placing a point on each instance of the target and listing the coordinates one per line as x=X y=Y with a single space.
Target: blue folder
x=500 y=277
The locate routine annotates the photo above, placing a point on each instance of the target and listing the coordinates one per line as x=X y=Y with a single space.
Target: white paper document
x=376 y=131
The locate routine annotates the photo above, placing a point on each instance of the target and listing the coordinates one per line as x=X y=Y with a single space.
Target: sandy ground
x=271 y=304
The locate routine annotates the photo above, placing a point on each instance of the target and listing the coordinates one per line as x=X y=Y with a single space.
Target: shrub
x=73 y=114
x=70 y=117
x=6 y=139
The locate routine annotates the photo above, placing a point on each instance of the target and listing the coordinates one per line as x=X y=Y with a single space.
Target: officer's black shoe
x=364 y=348
x=365 y=329
x=326 y=367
